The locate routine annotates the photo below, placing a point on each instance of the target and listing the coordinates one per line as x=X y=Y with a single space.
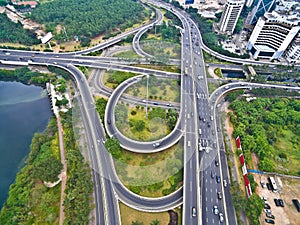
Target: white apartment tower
x=231 y=13
x=272 y=34
x=292 y=54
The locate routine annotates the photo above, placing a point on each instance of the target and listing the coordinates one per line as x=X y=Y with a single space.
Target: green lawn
x=289 y=144
x=129 y=215
x=160 y=89
x=151 y=174
x=127 y=54
x=154 y=129
x=212 y=87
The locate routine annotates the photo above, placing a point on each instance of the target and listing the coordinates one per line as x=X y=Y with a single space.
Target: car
x=225 y=183
x=143 y=100
x=203 y=120
x=269 y=186
x=192 y=114
x=208 y=124
x=54 y=63
x=221 y=217
x=276 y=202
x=108 y=121
x=155 y=103
x=263 y=185
x=269 y=215
x=194 y=212
x=219 y=195
x=269 y=221
x=212 y=174
x=156 y=144
x=200 y=118
x=264 y=198
x=216 y=163
x=215 y=210
x=218 y=179
x=268 y=211
x=281 y=203
x=267 y=206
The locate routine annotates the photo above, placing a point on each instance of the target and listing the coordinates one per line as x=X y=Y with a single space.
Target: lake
x=24 y=110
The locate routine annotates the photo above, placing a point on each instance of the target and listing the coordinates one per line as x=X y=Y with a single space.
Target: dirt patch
x=288 y=189
x=228 y=125
x=173 y=217
x=254 y=161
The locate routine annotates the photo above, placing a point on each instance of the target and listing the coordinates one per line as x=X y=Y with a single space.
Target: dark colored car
x=276 y=202
x=216 y=162
x=270 y=221
x=267 y=206
x=281 y=203
x=269 y=215
x=219 y=195
x=218 y=179
x=108 y=121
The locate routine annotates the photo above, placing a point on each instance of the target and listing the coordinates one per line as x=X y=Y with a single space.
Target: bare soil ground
x=288 y=189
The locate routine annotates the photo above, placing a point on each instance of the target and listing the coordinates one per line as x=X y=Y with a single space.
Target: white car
x=216 y=210
x=221 y=217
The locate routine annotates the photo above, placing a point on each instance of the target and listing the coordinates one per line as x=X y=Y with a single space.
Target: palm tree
x=136 y=223
x=155 y=222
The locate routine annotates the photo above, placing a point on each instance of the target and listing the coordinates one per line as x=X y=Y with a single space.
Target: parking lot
x=288 y=189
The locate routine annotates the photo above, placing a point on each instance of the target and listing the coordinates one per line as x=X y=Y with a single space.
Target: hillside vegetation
x=14 y=33
x=87 y=19
x=269 y=127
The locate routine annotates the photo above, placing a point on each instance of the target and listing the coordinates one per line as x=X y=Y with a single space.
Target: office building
x=249 y=3
x=292 y=54
x=230 y=15
x=260 y=8
x=272 y=35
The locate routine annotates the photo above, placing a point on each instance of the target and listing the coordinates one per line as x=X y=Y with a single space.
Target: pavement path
x=64 y=171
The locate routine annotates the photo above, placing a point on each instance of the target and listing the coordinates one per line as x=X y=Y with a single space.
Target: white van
x=200 y=131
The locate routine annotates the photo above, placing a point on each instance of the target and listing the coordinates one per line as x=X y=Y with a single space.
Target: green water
x=24 y=110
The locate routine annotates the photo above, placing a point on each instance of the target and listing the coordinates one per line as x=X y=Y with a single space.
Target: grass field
x=161 y=89
x=128 y=215
x=289 y=144
x=212 y=87
x=141 y=170
x=154 y=129
x=127 y=54
x=167 y=68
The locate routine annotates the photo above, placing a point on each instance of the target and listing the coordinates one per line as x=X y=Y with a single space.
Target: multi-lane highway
x=205 y=164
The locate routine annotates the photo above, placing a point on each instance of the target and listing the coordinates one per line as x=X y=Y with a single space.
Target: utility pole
x=147 y=96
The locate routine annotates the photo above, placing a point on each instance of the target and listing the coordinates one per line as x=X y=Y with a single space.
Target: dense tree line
x=28 y=194
x=79 y=183
x=26 y=76
x=14 y=32
x=87 y=19
x=259 y=123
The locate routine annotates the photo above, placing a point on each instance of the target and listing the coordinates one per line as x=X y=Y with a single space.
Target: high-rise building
x=249 y=3
x=272 y=34
x=230 y=15
x=292 y=54
x=260 y=8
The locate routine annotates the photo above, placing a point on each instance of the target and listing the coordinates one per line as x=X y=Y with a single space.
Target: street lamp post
x=147 y=97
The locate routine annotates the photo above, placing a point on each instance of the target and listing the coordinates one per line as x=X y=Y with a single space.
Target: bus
x=273 y=184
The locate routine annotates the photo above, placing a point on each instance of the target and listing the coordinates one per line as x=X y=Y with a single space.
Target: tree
x=113 y=147
x=139 y=125
x=155 y=222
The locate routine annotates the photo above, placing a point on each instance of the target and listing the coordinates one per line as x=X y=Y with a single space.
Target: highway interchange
x=198 y=123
